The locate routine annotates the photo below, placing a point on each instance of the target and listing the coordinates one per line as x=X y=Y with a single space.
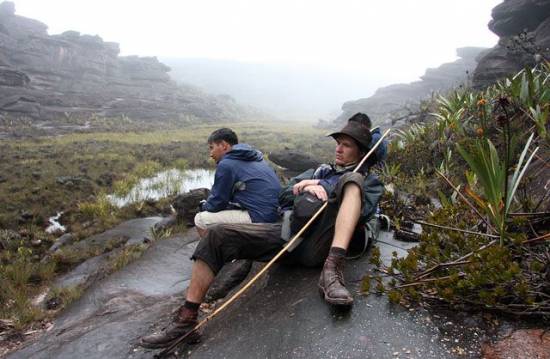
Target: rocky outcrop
x=292 y=160
x=524 y=30
x=51 y=76
x=187 y=204
x=396 y=101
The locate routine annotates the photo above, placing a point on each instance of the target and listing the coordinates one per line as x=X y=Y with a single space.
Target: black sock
x=192 y=306
x=337 y=252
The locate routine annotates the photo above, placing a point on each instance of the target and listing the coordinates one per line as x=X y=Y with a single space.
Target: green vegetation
x=493 y=188
x=125 y=256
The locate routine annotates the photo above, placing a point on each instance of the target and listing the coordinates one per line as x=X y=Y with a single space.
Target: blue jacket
x=244 y=180
x=382 y=150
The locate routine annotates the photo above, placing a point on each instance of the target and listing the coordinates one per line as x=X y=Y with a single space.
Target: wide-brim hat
x=358 y=132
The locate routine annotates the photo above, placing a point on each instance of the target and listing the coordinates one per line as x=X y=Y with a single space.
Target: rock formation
x=524 y=30
x=294 y=161
x=47 y=77
x=400 y=100
x=187 y=204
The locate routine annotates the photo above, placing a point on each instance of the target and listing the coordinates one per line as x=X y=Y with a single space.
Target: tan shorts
x=205 y=219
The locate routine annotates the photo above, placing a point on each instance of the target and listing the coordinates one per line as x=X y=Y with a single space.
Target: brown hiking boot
x=331 y=282
x=184 y=321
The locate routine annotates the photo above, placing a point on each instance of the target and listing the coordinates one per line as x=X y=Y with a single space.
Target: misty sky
x=398 y=38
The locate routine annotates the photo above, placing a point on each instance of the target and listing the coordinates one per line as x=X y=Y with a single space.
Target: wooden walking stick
x=266 y=267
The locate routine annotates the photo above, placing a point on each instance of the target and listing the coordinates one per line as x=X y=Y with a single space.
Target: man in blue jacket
x=245 y=187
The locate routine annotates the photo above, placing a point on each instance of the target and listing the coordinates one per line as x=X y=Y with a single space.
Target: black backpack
x=305 y=207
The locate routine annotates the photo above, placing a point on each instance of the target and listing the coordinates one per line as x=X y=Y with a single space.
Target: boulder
x=293 y=160
x=187 y=204
x=64 y=240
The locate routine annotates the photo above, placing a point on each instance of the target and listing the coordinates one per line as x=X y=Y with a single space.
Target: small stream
x=55 y=226
x=164 y=184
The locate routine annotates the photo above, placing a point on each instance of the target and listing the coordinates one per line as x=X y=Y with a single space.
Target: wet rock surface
x=529 y=343
x=108 y=319
x=135 y=231
x=282 y=316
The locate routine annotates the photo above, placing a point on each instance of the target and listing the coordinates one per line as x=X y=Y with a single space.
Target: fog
x=296 y=58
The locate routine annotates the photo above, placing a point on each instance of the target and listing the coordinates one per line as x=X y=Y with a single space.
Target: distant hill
x=400 y=100
x=45 y=77
x=287 y=91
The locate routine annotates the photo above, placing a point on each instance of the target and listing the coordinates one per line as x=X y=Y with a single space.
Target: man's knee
x=351 y=188
x=350 y=184
x=199 y=221
x=352 y=177
x=210 y=249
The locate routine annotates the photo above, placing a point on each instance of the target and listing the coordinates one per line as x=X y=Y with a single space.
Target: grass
x=64 y=296
x=125 y=256
x=100 y=208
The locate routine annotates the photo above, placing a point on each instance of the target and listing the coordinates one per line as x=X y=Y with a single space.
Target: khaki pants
x=203 y=220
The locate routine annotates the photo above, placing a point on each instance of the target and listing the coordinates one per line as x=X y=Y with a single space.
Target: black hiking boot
x=183 y=323
x=331 y=282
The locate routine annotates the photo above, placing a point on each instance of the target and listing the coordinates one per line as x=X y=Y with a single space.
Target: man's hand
x=318 y=191
x=300 y=186
x=201 y=205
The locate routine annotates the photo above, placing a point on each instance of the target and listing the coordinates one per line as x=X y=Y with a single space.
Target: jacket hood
x=244 y=152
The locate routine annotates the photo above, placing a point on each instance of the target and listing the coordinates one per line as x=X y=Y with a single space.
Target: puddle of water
x=164 y=184
x=55 y=226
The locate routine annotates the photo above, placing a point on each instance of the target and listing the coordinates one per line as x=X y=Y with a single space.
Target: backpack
x=305 y=207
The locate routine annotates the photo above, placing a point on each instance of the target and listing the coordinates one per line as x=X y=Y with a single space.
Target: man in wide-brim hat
x=352 y=198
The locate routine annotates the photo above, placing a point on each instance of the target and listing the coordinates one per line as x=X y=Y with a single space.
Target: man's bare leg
x=201 y=278
x=348 y=216
x=202 y=231
x=331 y=282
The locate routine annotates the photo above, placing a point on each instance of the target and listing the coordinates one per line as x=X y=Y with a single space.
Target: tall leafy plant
x=492 y=174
